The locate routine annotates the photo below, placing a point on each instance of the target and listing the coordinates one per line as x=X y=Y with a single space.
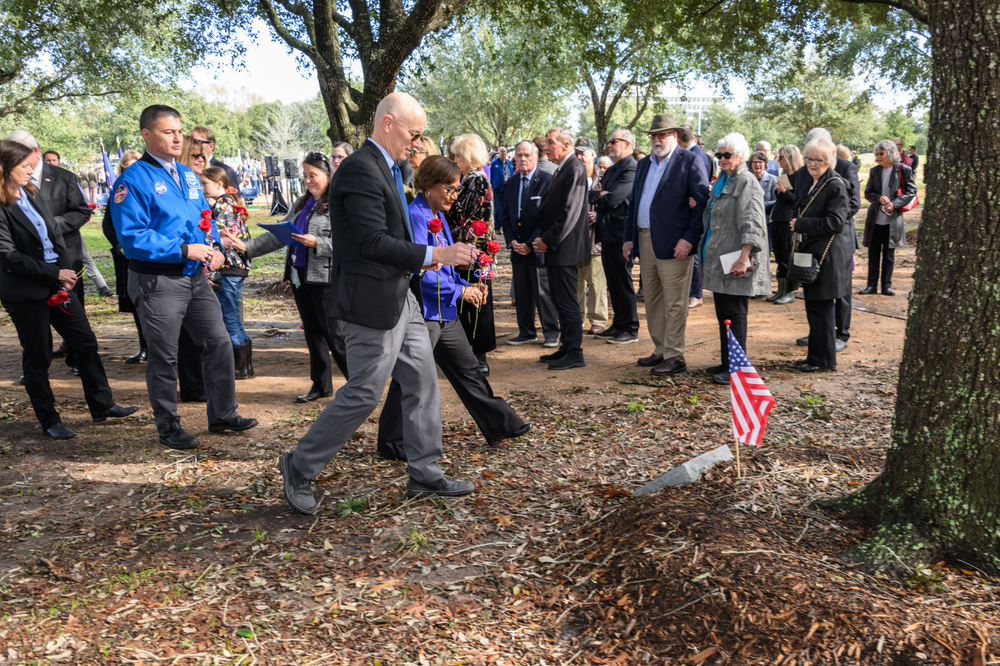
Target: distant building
x=694 y=105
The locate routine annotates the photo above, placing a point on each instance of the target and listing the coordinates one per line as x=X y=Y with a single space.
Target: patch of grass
x=350 y=504
x=635 y=406
x=259 y=534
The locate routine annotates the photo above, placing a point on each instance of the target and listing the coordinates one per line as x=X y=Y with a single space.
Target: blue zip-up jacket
x=155 y=220
x=451 y=282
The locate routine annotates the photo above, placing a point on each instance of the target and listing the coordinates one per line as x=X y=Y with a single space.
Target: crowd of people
x=391 y=254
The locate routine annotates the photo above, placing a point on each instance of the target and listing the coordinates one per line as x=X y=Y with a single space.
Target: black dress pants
x=781 y=236
x=822 y=333
x=531 y=291
x=481 y=333
x=32 y=321
x=453 y=354
x=733 y=308
x=879 y=252
x=323 y=334
x=843 y=307
x=189 y=377
x=562 y=284
x=618 y=275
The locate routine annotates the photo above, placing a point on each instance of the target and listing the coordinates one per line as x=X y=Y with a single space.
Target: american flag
x=752 y=402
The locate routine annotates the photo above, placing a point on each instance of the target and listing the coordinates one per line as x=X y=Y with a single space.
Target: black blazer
x=613 y=207
x=846 y=170
x=522 y=225
x=60 y=193
x=373 y=262
x=563 y=219
x=24 y=274
x=825 y=218
x=709 y=162
x=784 y=202
x=234 y=178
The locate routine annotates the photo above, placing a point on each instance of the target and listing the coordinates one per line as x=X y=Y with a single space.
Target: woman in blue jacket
x=437 y=182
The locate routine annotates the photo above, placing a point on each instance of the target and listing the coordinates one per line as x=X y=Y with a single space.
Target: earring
x=427 y=193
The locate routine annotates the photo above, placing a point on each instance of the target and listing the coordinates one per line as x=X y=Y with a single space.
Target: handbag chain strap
x=795 y=245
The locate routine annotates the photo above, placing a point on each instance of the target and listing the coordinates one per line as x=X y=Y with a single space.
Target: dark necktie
x=520 y=195
x=398 y=175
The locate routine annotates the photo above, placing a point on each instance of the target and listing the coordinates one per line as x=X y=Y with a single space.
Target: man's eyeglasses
x=616 y=140
x=815 y=160
x=414 y=136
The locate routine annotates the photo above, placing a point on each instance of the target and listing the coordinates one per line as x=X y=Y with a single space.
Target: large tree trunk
x=939 y=494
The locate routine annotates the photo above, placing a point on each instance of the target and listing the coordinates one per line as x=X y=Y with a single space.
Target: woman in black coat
x=823 y=231
x=790 y=160
x=36 y=290
x=890 y=187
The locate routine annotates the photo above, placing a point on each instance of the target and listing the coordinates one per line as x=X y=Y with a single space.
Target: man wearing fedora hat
x=665 y=229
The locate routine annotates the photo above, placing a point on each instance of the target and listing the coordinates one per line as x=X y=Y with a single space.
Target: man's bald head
x=400 y=122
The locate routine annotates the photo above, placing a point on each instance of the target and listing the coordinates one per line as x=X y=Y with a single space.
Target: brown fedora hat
x=662 y=122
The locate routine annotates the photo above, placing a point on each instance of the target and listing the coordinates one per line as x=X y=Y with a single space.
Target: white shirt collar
x=36 y=176
x=531 y=174
x=163 y=163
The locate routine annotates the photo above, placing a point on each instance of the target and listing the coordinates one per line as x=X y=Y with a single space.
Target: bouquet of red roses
x=486 y=271
x=205 y=224
x=435 y=226
x=58 y=299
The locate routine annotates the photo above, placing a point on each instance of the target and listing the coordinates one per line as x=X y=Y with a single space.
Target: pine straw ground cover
x=194 y=559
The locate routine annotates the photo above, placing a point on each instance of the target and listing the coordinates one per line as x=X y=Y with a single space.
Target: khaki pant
x=593 y=301
x=666 y=283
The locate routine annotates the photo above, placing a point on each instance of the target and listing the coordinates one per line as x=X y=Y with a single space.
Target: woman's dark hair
x=436 y=170
x=321 y=162
x=12 y=154
x=760 y=155
x=348 y=148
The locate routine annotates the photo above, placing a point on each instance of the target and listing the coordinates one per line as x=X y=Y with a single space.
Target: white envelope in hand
x=728 y=260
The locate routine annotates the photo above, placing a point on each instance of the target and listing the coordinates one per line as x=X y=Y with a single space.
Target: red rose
x=479 y=228
x=435 y=225
x=205 y=224
x=91 y=206
x=205 y=214
x=58 y=298
x=485 y=260
x=493 y=247
x=239 y=210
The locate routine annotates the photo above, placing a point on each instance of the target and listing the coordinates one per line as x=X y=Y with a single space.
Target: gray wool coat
x=736 y=217
x=317 y=258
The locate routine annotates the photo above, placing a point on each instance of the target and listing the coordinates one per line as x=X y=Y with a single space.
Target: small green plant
x=930 y=578
x=196 y=503
x=693 y=400
x=817 y=406
x=259 y=534
x=635 y=406
x=351 y=505
x=415 y=540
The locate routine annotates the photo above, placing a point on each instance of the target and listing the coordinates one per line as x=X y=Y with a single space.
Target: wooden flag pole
x=739 y=469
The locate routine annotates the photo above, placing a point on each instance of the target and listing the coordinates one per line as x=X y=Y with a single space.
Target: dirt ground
x=114 y=549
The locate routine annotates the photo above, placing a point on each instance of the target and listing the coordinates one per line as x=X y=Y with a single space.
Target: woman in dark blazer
x=307 y=267
x=36 y=283
x=437 y=182
x=790 y=161
x=885 y=229
x=825 y=233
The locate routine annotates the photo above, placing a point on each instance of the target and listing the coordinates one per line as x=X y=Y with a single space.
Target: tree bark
x=938 y=495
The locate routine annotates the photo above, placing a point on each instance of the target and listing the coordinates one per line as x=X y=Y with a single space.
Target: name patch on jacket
x=160 y=188
x=193 y=185
x=120 y=193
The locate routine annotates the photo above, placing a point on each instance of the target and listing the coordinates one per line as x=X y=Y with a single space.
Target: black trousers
x=822 y=333
x=844 y=307
x=781 y=236
x=453 y=354
x=32 y=321
x=189 y=377
x=562 y=284
x=482 y=334
x=733 y=308
x=531 y=291
x=78 y=290
x=879 y=252
x=618 y=275
x=138 y=329
x=323 y=334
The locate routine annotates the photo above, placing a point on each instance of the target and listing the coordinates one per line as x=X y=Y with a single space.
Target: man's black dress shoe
x=444 y=488
x=716 y=369
x=61 y=350
x=803 y=342
x=650 y=361
x=236 y=423
x=484 y=366
x=137 y=357
x=548 y=358
x=116 y=412
x=520 y=432
x=806 y=367
x=312 y=396
x=721 y=378
x=20 y=380
x=868 y=290
x=297 y=488
x=608 y=333
x=387 y=452
x=669 y=367
x=177 y=438
x=59 y=431
x=888 y=291
x=567 y=362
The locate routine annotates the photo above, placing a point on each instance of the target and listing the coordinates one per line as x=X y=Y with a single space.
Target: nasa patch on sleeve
x=120 y=193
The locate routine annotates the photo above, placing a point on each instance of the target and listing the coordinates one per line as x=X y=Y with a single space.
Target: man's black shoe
x=716 y=369
x=567 y=362
x=312 y=396
x=650 y=361
x=116 y=412
x=236 y=423
x=721 y=378
x=548 y=358
x=387 y=452
x=520 y=432
x=177 y=438
x=805 y=367
x=137 y=357
x=20 y=380
x=297 y=488
x=888 y=291
x=445 y=487
x=75 y=370
x=669 y=367
x=803 y=342
x=59 y=431
x=608 y=333
x=61 y=350
x=623 y=339
x=484 y=365
x=870 y=289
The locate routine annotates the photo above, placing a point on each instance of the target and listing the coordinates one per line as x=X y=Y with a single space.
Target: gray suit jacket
x=317 y=258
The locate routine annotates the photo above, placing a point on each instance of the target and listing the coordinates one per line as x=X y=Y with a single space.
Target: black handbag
x=803 y=267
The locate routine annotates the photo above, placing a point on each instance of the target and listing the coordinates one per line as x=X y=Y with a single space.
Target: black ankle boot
x=241 y=357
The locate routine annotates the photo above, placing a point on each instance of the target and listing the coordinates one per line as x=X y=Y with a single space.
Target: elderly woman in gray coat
x=307 y=267
x=735 y=236
x=890 y=187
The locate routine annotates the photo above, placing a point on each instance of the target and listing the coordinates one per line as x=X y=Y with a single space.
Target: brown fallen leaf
x=703 y=655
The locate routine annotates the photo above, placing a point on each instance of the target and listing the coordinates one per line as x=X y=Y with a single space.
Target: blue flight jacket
x=155 y=219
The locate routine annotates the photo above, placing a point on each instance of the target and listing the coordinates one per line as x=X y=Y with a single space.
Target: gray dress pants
x=164 y=303
x=373 y=356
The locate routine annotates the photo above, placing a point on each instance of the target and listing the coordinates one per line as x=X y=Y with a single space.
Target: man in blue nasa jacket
x=156 y=207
